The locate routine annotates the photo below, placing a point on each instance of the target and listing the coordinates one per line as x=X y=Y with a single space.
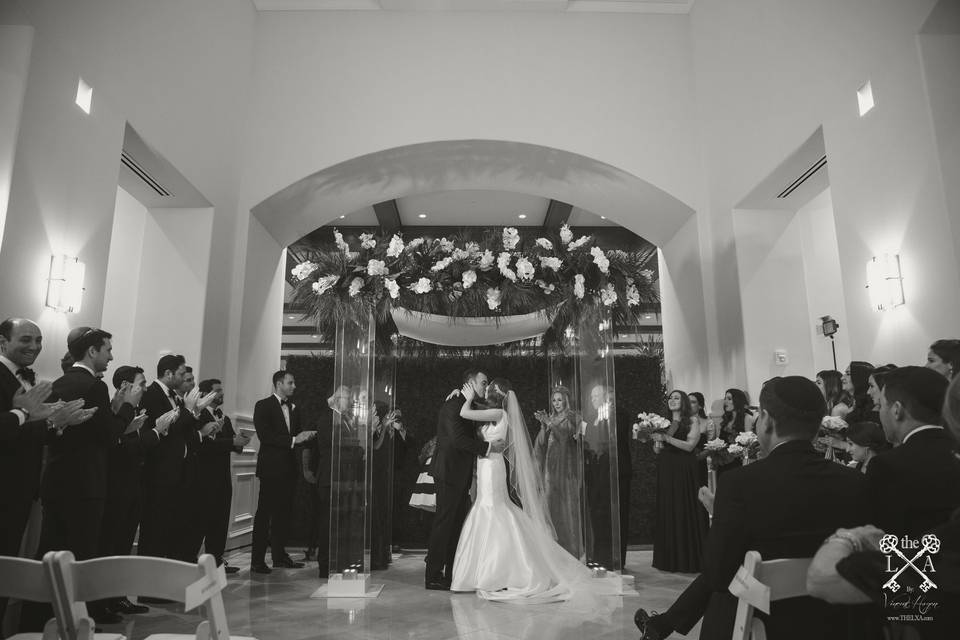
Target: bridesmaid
x=557 y=453
x=708 y=431
x=736 y=419
x=681 y=522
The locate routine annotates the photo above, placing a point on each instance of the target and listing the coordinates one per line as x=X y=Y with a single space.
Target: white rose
x=565 y=234
x=442 y=264
x=303 y=270
x=473 y=249
x=469 y=278
x=367 y=241
x=423 y=285
x=600 y=259
x=578 y=289
x=525 y=269
x=486 y=260
x=503 y=262
x=413 y=244
x=377 y=268
x=551 y=263
x=608 y=295
x=392 y=287
x=395 y=248
x=510 y=238
x=544 y=243
x=579 y=242
x=323 y=284
x=460 y=254
x=355 y=286
x=446 y=245
x=493 y=298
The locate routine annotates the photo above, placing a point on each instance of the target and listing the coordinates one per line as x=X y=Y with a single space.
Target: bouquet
x=833 y=426
x=649 y=424
x=746 y=445
x=831 y=437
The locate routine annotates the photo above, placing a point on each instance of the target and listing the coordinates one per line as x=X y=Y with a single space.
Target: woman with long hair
x=830 y=383
x=681 y=522
x=558 y=457
x=737 y=418
x=856 y=383
x=944 y=357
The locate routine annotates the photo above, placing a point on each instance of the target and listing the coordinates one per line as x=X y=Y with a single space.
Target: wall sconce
x=885 y=282
x=65 y=284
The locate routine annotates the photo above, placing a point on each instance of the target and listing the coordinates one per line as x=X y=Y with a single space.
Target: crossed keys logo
x=929 y=544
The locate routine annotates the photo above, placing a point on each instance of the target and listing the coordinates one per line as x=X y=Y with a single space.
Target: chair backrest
x=100 y=578
x=759 y=583
x=26 y=579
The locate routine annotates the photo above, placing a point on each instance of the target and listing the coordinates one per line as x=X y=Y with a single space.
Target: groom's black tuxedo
x=457 y=449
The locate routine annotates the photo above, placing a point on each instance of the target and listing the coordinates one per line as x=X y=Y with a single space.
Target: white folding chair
x=25 y=579
x=759 y=583
x=192 y=584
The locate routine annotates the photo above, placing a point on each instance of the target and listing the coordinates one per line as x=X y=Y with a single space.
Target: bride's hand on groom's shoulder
x=468 y=392
x=453 y=394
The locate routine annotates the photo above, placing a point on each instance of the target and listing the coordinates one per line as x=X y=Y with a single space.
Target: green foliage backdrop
x=422 y=385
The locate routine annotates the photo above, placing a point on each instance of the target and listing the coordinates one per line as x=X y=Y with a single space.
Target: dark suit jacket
x=916 y=486
x=782 y=506
x=125 y=461
x=214 y=453
x=168 y=464
x=317 y=453
x=457 y=446
x=77 y=459
x=276 y=458
x=21 y=450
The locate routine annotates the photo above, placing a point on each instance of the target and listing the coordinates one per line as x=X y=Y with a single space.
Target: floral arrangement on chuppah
x=497 y=275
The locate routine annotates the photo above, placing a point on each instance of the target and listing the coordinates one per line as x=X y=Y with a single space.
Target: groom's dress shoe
x=438 y=585
x=287 y=563
x=646 y=623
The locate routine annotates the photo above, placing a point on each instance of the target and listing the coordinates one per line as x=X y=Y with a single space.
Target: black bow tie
x=217 y=413
x=27 y=375
x=176 y=399
x=283 y=402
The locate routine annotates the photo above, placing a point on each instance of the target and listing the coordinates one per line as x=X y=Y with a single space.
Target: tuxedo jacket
x=21 y=448
x=76 y=466
x=317 y=453
x=170 y=462
x=458 y=446
x=125 y=460
x=214 y=453
x=782 y=506
x=916 y=486
x=276 y=458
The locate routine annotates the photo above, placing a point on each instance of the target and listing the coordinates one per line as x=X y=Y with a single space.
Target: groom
x=457 y=448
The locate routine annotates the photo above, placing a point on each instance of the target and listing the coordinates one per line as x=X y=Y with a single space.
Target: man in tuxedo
x=123 y=507
x=214 y=483
x=162 y=532
x=915 y=486
x=782 y=506
x=457 y=450
x=277 y=422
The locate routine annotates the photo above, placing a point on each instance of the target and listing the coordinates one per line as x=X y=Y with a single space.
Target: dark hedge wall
x=422 y=385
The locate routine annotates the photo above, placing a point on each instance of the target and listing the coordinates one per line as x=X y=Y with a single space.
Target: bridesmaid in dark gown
x=681 y=521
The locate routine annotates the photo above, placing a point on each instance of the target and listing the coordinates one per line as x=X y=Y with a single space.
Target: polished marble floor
x=278 y=606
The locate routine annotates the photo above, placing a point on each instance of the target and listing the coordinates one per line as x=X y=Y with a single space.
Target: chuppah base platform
x=358 y=586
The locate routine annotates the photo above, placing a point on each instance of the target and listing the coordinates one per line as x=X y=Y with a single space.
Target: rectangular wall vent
x=806 y=175
x=141 y=173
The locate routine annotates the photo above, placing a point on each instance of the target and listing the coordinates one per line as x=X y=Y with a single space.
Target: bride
x=509 y=553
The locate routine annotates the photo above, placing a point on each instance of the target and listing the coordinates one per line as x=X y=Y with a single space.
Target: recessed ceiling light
x=314 y=336
x=290 y=317
x=422 y=215
x=603 y=217
x=342 y=217
x=522 y=216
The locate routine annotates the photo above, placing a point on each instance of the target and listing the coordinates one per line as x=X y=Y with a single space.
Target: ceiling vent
x=141 y=173
x=806 y=175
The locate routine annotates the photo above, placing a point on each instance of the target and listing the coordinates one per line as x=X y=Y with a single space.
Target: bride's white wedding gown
x=505 y=555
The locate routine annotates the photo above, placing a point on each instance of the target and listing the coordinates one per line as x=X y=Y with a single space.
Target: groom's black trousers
x=452 y=506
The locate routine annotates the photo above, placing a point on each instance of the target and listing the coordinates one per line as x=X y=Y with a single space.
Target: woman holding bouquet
x=736 y=419
x=681 y=522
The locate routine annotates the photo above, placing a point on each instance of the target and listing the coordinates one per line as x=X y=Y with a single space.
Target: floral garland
x=501 y=274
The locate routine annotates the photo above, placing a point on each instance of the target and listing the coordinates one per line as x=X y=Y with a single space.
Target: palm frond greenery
x=500 y=274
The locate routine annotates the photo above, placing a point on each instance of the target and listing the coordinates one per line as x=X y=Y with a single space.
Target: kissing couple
x=501 y=551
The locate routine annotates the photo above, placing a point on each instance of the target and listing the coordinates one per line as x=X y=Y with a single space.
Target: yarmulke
x=798 y=393
x=76 y=334
x=122 y=374
x=925 y=386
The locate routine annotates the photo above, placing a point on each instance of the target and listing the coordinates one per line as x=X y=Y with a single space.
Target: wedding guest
x=916 y=485
x=424 y=495
x=855 y=396
x=215 y=485
x=558 y=455
x=277 y=421
x=875 y=384
x=765 y=506
x=680 y=528
x=830 y=383
x=737 y=418
x=944 y=357
x=865 y=440
x=698 y=409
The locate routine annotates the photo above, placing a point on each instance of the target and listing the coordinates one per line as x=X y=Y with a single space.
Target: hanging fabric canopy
x=470 y=332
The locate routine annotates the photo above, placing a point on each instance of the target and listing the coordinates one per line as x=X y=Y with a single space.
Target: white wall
x=15 y=43
x=122 y=291
x=795 y=66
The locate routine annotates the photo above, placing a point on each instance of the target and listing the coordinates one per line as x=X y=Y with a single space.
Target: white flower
x=633 y=296
x=647 y=273
x=367 y=241
x=578 y=286
x=551 y=263
x=355 y=285
x=608 y=295
x=600 y=259
x=395 y=248
x=377 y=268
x=544 y=243
x=460 y=254
x=565 y=234
x=442 y=264
x=469 y=278
x=503 y=263
x=493 y=298
x=735 y=449
x=338 y=239
x=746 y=438
x=579 y=242
x=510 y=238
x=423 y=285
x=446 y=246
x=413 y=244
x=525 y=269
x=473 y=249
x=717 y=444
x=323 y=284
x=833 y=423
x=392 y=287
x=303 y=270
x=547 y=288
x=486 y=260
